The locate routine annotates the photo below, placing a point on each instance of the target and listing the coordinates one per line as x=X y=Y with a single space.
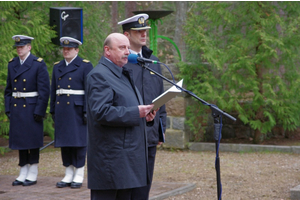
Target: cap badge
x=17 y=39
x=66 y=41
x=141 y=20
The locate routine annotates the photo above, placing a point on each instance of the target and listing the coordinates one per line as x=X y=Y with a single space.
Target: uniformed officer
x=150 y=86
x=68 y=109
x=26 y=99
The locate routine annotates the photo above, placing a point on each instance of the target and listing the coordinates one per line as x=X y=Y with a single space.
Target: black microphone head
x=132 y=58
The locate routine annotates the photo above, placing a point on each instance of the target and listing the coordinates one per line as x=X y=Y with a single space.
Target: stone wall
x=176 y=136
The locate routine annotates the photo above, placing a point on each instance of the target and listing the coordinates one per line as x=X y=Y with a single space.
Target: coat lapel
x=25 y=67
x=74 y=65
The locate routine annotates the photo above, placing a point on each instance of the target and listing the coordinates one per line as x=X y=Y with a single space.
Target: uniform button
x=24 y=105
x=59 y=78
x=15 y=88
x=15 y=80
x=15 y=105
x=69 y=86
x=58 y=102
x=58 y=86
x=70 y=79
x=68 y=95
x=68 y=103
x=24 y=89
x=24 y=80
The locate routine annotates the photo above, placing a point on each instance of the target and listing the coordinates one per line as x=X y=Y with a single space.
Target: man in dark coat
x=68 y=109
x=150 y=86
x=117 y=143
x=26 y=99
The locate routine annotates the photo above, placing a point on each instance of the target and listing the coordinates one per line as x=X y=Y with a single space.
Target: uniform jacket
x=32 y=76
x=70 y=131
x=150 y=86
x=117 y=146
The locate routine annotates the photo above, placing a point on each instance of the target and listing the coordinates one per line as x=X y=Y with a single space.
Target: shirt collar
x=24 y=59
x=133 y=52
x=70 y=61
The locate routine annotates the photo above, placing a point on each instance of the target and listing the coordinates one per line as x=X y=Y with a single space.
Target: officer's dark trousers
x=142 y=193
x=29 y=156
x=124 y=194
x=73 y=156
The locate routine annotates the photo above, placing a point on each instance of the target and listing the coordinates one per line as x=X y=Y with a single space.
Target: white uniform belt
x=69 y=91
x=25 y=94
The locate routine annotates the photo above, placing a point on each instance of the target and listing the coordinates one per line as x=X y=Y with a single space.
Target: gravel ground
x=244 y=176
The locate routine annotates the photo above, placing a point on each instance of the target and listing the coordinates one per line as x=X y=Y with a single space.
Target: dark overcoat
x=70 y=130
x=150 y=86
x=32 y=76
x=117 y=146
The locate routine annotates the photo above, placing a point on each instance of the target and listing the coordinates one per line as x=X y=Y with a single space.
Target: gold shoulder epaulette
x=87 y=61
x=40 y=59
x=56 y=62
x=11 y=60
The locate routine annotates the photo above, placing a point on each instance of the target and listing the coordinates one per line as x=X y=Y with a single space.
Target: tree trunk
x=129 y=7
x=181 y=10
x=259 y=113
x=114 y=16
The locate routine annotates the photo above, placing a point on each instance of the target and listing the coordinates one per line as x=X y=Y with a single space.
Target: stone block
x=178 y=123
x=176 y=107
x=295 y=193
x=176 y=139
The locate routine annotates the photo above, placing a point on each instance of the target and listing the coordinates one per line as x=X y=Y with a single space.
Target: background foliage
x=244 y=58
x=32 y=18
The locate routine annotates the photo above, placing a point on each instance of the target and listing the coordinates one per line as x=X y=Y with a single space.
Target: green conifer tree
x=244 y=58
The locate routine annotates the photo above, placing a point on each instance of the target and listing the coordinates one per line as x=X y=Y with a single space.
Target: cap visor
x=141 y=28
x=19 y=45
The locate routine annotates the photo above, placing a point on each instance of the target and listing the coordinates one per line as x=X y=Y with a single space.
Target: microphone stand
x=217 y=115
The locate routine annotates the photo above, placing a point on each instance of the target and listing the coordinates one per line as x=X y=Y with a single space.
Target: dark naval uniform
x=150 y=86
x=69 y=109
x=26 y=99
x=30 y=78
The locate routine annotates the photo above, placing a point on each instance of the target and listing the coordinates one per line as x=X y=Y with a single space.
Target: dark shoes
x=28 y=182
x=16 y=182
x=25 y=183
x=62 y=184
x=72 y=185
x=76 y=185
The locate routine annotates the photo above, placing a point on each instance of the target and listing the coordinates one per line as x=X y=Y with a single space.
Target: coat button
x=15 y=88
x=15 y=80
x=15 y=105
x=69 y=86
x=58 y=86
x=24 y=80
x=24 y=106
x=59 y=78
x=24 y=89
x=70 y=79
x=68 y=95
x=58 y=102
x=68 y=103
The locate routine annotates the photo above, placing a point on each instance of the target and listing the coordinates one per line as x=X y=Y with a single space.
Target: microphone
x=133 y=58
